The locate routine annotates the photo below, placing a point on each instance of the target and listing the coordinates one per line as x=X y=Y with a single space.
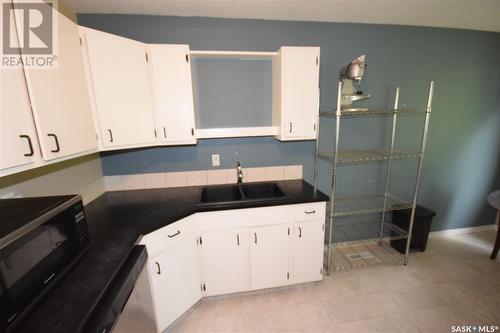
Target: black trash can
x=421 y=227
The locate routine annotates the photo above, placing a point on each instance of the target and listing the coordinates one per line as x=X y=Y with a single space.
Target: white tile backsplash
x=133 y=182
x=176 y=179
x=196 y=178
x=254 y=174
x=215 y=177
x=155 y=180
x=113 y=183
x=232 y=177
x=92 y=190
x=293 y=172
x=275 y=173
x=193 y=178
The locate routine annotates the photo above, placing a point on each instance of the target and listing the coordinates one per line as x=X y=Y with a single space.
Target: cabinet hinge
x=201 y=241
x=288 y=275
x=317 y=61
x=147 y=60
x=187 y=58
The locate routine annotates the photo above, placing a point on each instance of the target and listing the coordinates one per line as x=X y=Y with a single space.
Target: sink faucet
x=239 y=173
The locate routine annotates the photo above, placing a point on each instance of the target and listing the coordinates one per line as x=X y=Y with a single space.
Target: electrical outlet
x=215 y=160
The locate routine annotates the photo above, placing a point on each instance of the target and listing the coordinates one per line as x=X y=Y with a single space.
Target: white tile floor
x=453 y=283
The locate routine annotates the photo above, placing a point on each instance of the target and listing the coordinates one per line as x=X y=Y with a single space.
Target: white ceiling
x=462 y=14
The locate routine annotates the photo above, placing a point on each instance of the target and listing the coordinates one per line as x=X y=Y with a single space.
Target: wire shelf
x=359 y=255
x=368 y=155
x=372 y=112
x=355 y=223
x=365 y=231
x=361 y=204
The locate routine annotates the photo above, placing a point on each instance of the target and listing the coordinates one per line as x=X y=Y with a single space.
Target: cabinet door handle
x=110 y=135
x=158 y=268
x=173 y=235
x=192 y=131
x=29 y=143
x=300 y=232
x=255 y=237
x=164 y=132
x=310 y=211
x=291 y=127
x=238 y=239
x=58 y=149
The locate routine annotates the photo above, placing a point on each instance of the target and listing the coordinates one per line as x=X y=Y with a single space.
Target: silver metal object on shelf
x=355 y=70
x=376 y=232
x=351 y=76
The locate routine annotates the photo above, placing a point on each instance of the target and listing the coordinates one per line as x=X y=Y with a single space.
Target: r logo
x=34 y=22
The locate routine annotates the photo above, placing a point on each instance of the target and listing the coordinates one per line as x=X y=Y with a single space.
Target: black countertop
x=116 y=220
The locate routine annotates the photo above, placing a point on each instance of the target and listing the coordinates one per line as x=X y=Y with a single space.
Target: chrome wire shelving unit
x=364 y=242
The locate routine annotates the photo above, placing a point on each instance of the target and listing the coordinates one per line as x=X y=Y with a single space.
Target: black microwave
x=40 y=239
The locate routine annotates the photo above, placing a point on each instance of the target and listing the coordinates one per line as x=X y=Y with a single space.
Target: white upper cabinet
x=18 y=140
x=170 y=70
x=296 y=92
x=121 y=88
x=60 y=100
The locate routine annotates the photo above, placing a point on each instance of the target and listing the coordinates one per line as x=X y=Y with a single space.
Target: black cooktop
x=15 y=213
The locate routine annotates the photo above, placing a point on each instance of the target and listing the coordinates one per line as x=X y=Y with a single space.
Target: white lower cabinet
x=225 y=262
x=308 y=251
x=175 y=277
x=269 y=255
x=230 y=251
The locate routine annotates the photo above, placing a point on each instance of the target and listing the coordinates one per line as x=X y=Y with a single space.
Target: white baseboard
x=461 y=231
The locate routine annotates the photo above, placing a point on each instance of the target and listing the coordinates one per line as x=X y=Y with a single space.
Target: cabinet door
x=60 y=100
x=308 y=244
x=269 y=255
x=299 y=92
x=172 y=93
x=175 y=276
x=122 y=89
x=18 y=141
x=225 y=261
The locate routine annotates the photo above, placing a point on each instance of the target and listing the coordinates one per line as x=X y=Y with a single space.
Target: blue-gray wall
x=462 y=161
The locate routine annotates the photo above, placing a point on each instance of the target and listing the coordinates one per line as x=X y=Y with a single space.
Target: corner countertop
x=116 y=220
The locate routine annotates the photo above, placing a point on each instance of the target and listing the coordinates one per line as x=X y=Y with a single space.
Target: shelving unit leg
x=334 y=175
x=389 y=163
x=419 y=169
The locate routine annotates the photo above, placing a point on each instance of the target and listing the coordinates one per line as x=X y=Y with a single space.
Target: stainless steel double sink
x=220 y=194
